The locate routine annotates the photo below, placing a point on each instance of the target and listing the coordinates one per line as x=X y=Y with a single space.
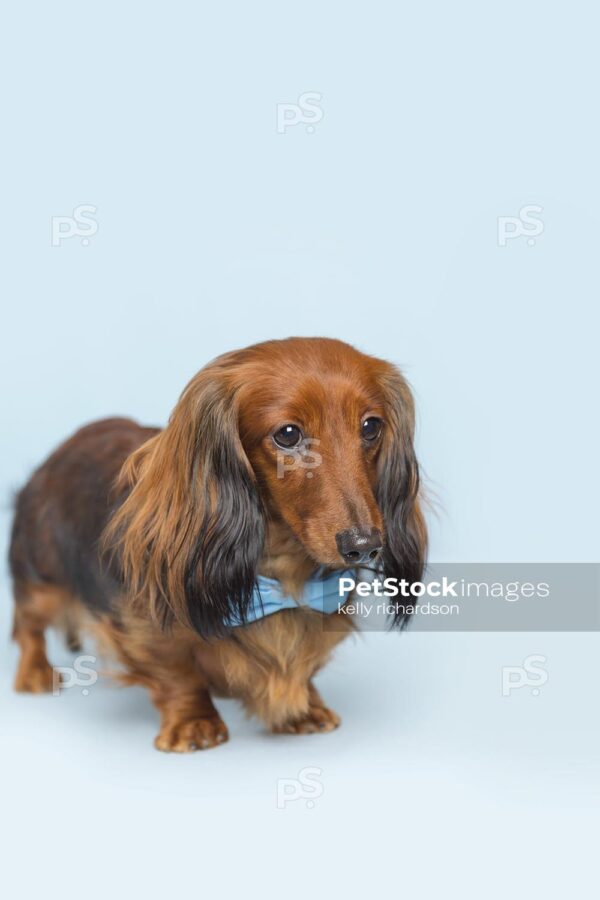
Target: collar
x=322 y=593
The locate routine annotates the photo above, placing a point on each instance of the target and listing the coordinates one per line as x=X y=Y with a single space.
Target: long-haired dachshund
x=195 y=553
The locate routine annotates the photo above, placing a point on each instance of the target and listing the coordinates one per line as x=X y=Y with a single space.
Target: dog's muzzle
x=359 y=546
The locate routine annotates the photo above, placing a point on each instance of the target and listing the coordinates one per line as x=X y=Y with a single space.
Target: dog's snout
x=359 y=545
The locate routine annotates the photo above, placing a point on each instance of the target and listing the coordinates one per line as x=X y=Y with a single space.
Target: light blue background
x=381 y=228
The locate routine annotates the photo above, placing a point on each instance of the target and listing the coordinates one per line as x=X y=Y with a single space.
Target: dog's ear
x=398 y=488
x=190 y=531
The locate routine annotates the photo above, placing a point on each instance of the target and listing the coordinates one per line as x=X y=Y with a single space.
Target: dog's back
x=62 y=510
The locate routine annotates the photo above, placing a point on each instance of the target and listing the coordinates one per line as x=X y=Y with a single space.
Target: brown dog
x=155 y=539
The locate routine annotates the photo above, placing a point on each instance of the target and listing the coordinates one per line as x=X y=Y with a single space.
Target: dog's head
x=306 y=433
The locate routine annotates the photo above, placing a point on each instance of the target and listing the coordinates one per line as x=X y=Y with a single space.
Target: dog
x=282 y=464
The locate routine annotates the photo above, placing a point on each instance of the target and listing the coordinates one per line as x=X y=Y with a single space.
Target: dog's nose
x=359 y=545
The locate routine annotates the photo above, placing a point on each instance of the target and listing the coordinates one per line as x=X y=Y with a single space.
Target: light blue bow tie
x=321 y=593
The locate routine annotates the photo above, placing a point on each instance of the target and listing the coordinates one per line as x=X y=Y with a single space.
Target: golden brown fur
x=153 y=539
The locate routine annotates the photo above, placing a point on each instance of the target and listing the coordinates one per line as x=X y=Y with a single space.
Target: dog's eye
x=371 y=428
x=288 y=437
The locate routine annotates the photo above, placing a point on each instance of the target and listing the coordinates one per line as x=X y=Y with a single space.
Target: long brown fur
x=153 y=539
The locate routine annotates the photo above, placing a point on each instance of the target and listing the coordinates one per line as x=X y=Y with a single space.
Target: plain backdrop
x=379 y=222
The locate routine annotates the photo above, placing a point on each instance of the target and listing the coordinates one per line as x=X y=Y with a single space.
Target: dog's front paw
x=317 y=719
x=191 y=734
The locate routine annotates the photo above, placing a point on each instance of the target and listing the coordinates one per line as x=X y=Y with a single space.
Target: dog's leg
x=167 y=665
x=189 y=720
x=35 y=609
x=72 y=638
x=318 y=718
x=270 y=667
